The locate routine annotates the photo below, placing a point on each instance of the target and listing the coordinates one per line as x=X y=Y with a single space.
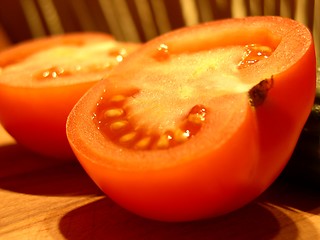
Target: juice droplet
x=162 y=53
x=254 y=53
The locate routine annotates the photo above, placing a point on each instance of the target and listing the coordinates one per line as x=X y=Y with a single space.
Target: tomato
x=201 y=120
x=41 y=80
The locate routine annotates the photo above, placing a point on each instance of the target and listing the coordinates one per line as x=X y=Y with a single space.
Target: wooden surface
x=43 y=199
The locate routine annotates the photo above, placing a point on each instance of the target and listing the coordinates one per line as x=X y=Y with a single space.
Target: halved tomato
x=201 y=120
x=41 y=80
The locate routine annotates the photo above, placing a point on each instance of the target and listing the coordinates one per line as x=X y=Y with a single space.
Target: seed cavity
x=112 y=120
x=254 y=53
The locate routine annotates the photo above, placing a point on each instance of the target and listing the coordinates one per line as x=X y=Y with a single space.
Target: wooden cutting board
x=45 y=199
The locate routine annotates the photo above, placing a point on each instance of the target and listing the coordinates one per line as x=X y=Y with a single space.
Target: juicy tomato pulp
x=201 y=120
x=114 y=116
x=41 y=80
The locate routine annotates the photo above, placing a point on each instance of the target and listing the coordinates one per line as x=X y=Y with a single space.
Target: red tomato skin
x=205 y=183
x=36 y=116
x=279 y=121
x=38 y=122
x=187 y=191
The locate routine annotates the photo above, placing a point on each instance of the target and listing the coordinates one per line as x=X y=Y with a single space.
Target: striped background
x=140 y=20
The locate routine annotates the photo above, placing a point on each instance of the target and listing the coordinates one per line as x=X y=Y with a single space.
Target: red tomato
x=201 y=120
x=41 y=80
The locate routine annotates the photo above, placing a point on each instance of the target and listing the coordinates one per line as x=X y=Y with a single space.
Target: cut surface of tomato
x=41 y=80
x=201 y=120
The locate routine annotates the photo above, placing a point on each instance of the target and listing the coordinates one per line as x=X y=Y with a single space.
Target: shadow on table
x=25 y=172
x=104 y=219
x=289 y=193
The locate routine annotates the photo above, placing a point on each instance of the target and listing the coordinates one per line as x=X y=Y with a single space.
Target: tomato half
x=41 y=80
x=201 y=120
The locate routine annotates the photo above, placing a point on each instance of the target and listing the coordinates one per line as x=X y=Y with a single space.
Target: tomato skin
x=36 y=115
x=38 y=122
x=280 y=132
x=186 y=190
x=218 y=170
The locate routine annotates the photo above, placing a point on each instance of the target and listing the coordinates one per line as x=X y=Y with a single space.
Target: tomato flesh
x=110 y=56
x=201 y=120
x=115 y=119
x=64 y=62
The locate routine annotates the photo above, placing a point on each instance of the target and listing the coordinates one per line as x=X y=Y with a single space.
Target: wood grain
x=45 y=199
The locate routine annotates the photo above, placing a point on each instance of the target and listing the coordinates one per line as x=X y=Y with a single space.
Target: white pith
x=165 y=99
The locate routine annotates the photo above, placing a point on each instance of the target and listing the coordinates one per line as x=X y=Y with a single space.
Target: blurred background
x=138 y=20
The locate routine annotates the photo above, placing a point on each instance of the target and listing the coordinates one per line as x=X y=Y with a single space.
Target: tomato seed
x=195 y=118
x=127 y=138
x=163 y=141
x=111 y=113
x=181 y=136
x=52 y=73
x=143 y=143
x=197 y=114
x=119 y=125
x=117 y=98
